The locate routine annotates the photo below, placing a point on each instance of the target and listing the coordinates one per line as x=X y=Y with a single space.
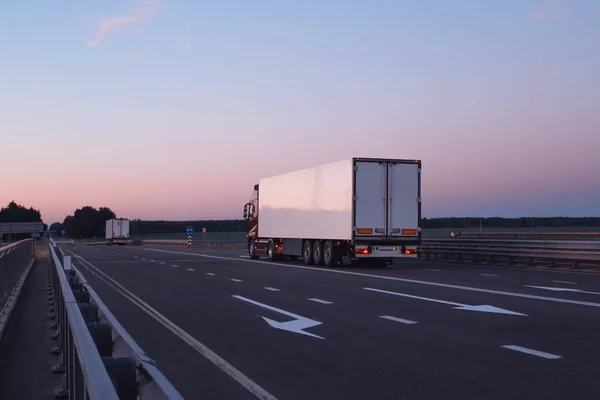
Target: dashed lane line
x=396 y=319
x=320 y=301
x=532 y=352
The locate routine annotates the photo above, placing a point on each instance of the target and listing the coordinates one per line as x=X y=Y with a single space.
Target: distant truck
x=357 y=209
x=117 y=231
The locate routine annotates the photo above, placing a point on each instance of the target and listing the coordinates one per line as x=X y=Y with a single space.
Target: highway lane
x=534 y=281
x=434 y=351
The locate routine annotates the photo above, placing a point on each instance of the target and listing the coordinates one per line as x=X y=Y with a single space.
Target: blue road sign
x=189 y=230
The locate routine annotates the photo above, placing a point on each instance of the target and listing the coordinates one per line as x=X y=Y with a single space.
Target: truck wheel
x=307 y=253
x=252 y=250
x=271 y=251
x=318 y=252
x=329 y=256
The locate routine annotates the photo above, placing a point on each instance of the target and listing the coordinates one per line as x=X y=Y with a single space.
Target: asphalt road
x=414 y=331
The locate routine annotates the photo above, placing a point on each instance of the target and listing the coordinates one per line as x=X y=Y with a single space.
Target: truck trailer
x=343 y=212
x=117 y=231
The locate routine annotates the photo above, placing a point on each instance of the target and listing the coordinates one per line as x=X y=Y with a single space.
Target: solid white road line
x=567 y=282
x=532 y=352
x=236 y=280
x=272 y=289
x=388 y=278
x=320 y=301
x=488 y=275
x=210 y=355
x=402 y=321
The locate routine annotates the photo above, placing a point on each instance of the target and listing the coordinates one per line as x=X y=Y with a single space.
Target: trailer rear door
x=370 y=199
x=403 y=199
x=387 y=199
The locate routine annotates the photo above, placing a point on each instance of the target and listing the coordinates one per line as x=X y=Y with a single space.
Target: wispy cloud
x=552 y=10
x=143 y=11
x=188 y=44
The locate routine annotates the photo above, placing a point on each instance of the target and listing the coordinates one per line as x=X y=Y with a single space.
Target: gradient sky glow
x=165 y=109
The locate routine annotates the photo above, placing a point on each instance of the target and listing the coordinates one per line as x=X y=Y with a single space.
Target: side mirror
x=246 y=208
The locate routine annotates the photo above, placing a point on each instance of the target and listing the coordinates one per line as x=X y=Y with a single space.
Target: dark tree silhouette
x=17 y=213
x=87 y=222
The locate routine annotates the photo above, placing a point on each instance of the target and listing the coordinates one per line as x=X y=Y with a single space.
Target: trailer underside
x=333 y=252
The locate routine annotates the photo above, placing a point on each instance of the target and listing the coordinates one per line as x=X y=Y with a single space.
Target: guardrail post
x=530 y=261
x=67 y=263
x=123 y=371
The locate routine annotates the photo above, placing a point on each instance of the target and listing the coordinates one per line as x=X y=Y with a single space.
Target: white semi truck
x=117 y=231
x=357 y=209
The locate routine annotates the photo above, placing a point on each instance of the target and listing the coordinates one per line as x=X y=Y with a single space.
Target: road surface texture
x=242 y=329
x=25 y=352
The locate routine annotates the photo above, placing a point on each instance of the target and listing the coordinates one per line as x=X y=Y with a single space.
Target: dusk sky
x=173 y=109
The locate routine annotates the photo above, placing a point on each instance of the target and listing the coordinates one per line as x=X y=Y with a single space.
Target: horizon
x=165 y=110
x=427 y=218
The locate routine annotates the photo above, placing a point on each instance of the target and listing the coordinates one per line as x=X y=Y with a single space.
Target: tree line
x=239 y=225
x=89 y=222
x=17 y=213
x=86 y=222
x=233 y=225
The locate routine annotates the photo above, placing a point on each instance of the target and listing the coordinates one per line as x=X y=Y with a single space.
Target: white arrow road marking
x=532 y=352
x=560 y=289
x=297 y=325
x=459 y=306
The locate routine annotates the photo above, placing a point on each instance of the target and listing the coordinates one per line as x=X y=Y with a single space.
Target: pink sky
x=500 y=102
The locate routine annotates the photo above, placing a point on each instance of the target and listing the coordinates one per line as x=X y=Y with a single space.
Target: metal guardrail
x=16 y=261
x=523 y=234
x=99 y=360
x=575 y=252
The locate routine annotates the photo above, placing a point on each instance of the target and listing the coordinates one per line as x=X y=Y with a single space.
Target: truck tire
x=307 y=252
x=252 y=250
x=271 y=251
x=329 y=254
x=318 y=252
